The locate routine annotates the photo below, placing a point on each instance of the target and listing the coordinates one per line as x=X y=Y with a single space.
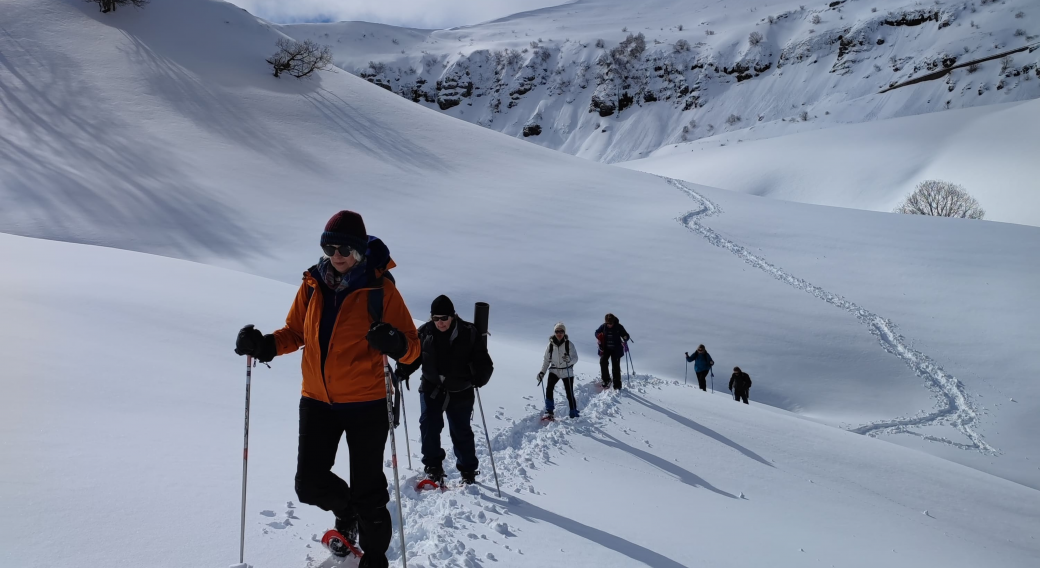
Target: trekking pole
x=488 y=438
x=481 y=314
x=393 y=455
x=404 y=418
x=687 y=373
x=245 y=462
x=712 y=380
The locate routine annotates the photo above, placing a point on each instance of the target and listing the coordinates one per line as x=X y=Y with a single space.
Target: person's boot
x=376 y=531
x=347 y=525
x=574 y=413
x=469 y=477
x=550 y=407
x=434 y=473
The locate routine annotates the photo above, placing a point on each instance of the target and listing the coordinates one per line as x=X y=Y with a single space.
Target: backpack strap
x=375 y=301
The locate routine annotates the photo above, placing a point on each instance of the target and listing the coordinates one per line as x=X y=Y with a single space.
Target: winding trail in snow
x=953 y=405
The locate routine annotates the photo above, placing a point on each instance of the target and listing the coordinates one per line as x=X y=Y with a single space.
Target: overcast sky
x=411 y=13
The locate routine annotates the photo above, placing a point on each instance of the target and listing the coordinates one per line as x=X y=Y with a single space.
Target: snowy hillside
x=124 y=437
x=163 y=131
x=989 y=150
x=613 y=80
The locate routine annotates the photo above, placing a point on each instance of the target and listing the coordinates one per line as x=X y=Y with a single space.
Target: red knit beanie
x=346 y=228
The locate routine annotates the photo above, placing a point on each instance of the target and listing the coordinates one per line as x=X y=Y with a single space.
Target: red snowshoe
x=338 y=545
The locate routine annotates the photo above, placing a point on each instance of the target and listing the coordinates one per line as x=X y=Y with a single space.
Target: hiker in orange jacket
x=348 y=313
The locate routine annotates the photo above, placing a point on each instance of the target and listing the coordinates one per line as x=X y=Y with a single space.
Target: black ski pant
x=616 y=368
x=366 y=426
x=458 y=408
x=740 y=394
x=568 y=385
x=702 y=379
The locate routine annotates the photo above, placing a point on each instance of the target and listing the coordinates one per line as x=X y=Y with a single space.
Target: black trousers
x=740 y=394
x=366 y=427
x=702 y=381
x=568 y=385
x=616 y=368
x=458 y=407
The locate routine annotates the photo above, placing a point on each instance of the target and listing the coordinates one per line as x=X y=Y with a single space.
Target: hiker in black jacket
x=740 y=384
x=454 y=361
x=611 y=337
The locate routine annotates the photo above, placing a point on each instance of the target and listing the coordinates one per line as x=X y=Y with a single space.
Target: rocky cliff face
x=619 y=100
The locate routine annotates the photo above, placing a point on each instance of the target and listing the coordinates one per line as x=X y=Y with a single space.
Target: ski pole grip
x=481 y=313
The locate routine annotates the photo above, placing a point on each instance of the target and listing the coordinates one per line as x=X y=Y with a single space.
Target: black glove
x=251 y=342
x=387 y=339
x=402 y=376
x=541 y=375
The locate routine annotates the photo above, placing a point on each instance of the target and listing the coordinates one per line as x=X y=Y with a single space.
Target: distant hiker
x=348 y=313
x=611 y=337
x=560 y=357
x=454 y=360
x=702 y=364
x=740 y=384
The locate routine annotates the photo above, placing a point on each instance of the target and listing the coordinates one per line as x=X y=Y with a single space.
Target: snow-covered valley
x=191 y=186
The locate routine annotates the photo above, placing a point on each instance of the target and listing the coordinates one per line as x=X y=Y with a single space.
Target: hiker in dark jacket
x=740 y=384
x=454 y=361
x=702 y=364
x=611 y=337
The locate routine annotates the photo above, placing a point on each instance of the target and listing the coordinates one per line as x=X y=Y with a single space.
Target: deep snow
x=169 y=136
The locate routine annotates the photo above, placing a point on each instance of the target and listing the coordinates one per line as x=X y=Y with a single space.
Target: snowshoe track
x=953 y=405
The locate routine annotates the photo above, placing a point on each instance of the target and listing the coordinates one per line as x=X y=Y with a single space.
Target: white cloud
x=411 y=13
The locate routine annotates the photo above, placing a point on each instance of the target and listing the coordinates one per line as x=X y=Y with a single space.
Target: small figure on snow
x=740 y=384
x=454 y=360
x=344 y=388
x=702 y=364
x=560 y=357
x=611 y=337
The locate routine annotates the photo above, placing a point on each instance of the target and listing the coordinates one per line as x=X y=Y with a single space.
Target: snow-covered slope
x=875 y=165
x=162 y=130
x=195 y=151
x=122 y=421
x=569 y=77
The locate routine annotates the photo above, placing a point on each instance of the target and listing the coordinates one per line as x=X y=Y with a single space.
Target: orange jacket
x=353 y=369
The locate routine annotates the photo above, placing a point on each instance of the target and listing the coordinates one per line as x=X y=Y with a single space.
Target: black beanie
x=346 y=228
x=442 y=306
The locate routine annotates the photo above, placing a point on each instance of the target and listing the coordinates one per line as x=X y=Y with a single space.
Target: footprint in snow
x=267 y=513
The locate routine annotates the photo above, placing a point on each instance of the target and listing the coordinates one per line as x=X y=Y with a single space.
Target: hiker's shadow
x=698 y=428
x=531 y=513
x=684 y=475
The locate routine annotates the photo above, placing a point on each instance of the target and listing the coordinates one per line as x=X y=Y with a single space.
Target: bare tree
x=300 y=59
x=110 y=5
x=754 y=38
x=941 y=199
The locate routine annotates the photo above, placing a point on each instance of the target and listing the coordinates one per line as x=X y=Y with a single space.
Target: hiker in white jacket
x=560 y=357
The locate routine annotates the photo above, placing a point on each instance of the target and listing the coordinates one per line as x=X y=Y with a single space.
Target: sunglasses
x=330 y=250
x=560 y=332
x=440 y=318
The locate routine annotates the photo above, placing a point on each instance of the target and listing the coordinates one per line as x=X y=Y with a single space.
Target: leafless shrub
x=110 y=5
x=680 y=27
x=874 y=9
x=941 y=199
x=300 y=59
x=1020 y=14
x=755 y=38
x=733 y=119
x=709 y=32
x=682 y=45
x=1020 y=32
x=816 y=19
x=1006 y=62
x=804 y=116
x=600 y=43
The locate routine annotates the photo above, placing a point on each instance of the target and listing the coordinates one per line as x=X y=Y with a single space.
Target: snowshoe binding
x=338 y=544
x=434 y=478
x=469 y=477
